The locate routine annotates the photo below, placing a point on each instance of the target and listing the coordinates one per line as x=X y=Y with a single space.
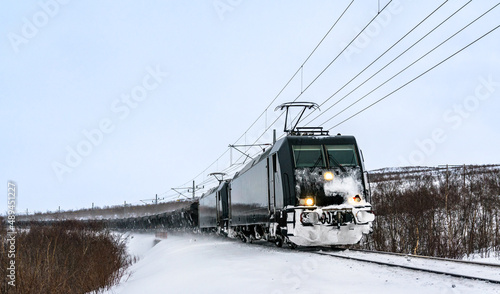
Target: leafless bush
x=67 y=257
x=448 y=212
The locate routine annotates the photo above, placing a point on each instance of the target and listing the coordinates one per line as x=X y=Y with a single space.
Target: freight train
x=304 y=190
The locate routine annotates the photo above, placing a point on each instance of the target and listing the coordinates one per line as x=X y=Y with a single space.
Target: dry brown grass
x=66 y=257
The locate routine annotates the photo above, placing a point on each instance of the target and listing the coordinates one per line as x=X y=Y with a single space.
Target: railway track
x=478 y=271
x=429 y=257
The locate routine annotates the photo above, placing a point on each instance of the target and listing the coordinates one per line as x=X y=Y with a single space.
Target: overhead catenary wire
x=300 y=69
x=374 y=61
x=414 y=45
x=204 y=171
x=345 y=48
x=440 y=44
x=314 y=80
x=338 y=55
x=385 y=66
x=281 y=91
x=230 y=170
x=263 y=133
x=417 y=77
x=296 y=72
x=407 y=50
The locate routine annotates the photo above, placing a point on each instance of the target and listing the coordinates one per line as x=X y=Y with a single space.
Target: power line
x=347 y=46
x=416 y=77
x=204 y=171
x=368 y=66
x=385 y=66
x=281 y=91
x=297 y=71
x=234 y=167
x=411 y=64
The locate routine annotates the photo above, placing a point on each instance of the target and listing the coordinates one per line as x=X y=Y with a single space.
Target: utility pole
x=194 y=188
x=152 y=200
x=189 y=189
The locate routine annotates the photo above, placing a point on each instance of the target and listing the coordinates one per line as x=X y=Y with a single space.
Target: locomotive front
x=331 y=192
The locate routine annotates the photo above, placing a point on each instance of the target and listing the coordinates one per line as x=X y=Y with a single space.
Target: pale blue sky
x=207 y=70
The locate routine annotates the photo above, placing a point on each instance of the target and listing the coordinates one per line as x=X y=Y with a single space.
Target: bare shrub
x=447 y=212
x=67 y=257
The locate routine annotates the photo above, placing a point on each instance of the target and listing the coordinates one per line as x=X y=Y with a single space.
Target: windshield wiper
x=330 y=157
x=317 y=162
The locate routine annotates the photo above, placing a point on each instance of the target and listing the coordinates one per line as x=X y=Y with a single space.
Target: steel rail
x=428 y=257
x=411 y=267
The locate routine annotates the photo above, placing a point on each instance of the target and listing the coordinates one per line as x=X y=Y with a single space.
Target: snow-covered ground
x=209 y=264
x=138 y=244
x=490 y=258
x=465 y=269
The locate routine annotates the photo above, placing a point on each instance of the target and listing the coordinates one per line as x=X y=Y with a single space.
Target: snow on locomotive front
x=328 y=196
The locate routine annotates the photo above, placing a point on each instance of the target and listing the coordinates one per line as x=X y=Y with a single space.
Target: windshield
x=342 y=155
x=308 y=156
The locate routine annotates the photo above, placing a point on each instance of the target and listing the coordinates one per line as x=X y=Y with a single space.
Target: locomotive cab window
x=343 y=155
x=308 y=156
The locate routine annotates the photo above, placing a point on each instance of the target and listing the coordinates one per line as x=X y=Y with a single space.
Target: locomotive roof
x=339 y=139
x=304 y=140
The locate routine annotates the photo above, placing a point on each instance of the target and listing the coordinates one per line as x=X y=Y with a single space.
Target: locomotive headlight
x=309 y=201
x=354 y=200
x=328 y=176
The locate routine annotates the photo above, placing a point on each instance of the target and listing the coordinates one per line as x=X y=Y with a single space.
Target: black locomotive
x=307 y=189
x=304 y=190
